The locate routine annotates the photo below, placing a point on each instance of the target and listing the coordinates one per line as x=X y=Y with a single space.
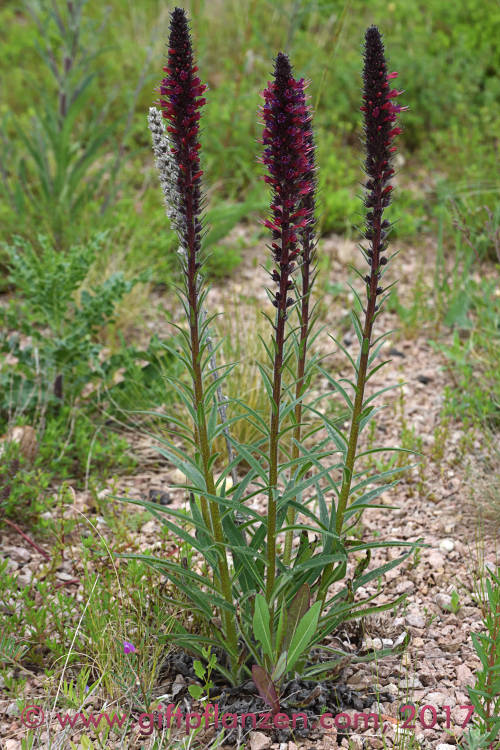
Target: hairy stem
x=301 y=366
x=210 y=510
x=275 y=413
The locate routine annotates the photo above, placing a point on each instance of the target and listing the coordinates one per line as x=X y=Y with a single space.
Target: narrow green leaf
x=304 y=634
x=298 y=607
x=280 y=668
x=261 y=620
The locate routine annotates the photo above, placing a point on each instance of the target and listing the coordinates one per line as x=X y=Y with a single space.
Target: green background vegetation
x=446 y=53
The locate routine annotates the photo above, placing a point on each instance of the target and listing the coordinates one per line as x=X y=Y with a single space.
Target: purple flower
x=380 y=116
x=307 y=232
x=180 y=100
x=380 y=128
x=306 y=235
x=287 y=156
x=128 y=648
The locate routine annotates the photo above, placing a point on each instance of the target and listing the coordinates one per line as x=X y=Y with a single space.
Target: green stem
x=273 y=456
x=275 y=414
x=210 y=510
x=301 y=366
x=360 y=388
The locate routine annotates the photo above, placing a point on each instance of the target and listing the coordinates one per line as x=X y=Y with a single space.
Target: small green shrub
x=52 y=328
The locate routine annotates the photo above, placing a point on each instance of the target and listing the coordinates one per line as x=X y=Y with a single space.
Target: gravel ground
x=434 y=504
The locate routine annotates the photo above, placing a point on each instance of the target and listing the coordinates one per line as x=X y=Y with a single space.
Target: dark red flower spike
x=181 y=97
x=380 y=117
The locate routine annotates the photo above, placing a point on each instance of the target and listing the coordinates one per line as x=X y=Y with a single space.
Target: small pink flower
x=128 y=648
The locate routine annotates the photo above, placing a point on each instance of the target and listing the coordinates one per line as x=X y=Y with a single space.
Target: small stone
x=447 y=545
x=12 y=745
x=392 y=689
x=157 y=496
x=356 y=742
x=149 y=527
x=12 y=709
x=464 y=675
x=404 y=587
x=427 y=677
x=410 y=683
x=18 y=554
x=64 y=576
x=372 y=644
x=25 y=437
x=439 y=699
x=415 y=620
x=359 y=681
x=443 y=601
x=283 y=746
x=387 y=642
x=446 y=746
x=400 y=639
x=176 y=477
x=436 y=560
x=24 y=577
x=178 y=685
x=259 y=741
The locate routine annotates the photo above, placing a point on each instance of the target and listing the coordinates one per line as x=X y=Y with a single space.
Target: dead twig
x=28 y=539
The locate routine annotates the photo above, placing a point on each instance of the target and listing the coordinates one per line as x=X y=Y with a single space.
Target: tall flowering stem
x=181 y=98
x=284 y=116
x=307 y=241
x=380 y=129
x=168 y=173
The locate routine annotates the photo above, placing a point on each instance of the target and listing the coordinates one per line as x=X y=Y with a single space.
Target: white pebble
x=446 y=545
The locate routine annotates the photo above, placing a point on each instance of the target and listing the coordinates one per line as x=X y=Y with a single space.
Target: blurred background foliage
x=91 y=167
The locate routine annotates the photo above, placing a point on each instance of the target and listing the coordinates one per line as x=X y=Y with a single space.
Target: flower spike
x=287 y=150
x=380 y=116
x=180 y=101
x=181 y=98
